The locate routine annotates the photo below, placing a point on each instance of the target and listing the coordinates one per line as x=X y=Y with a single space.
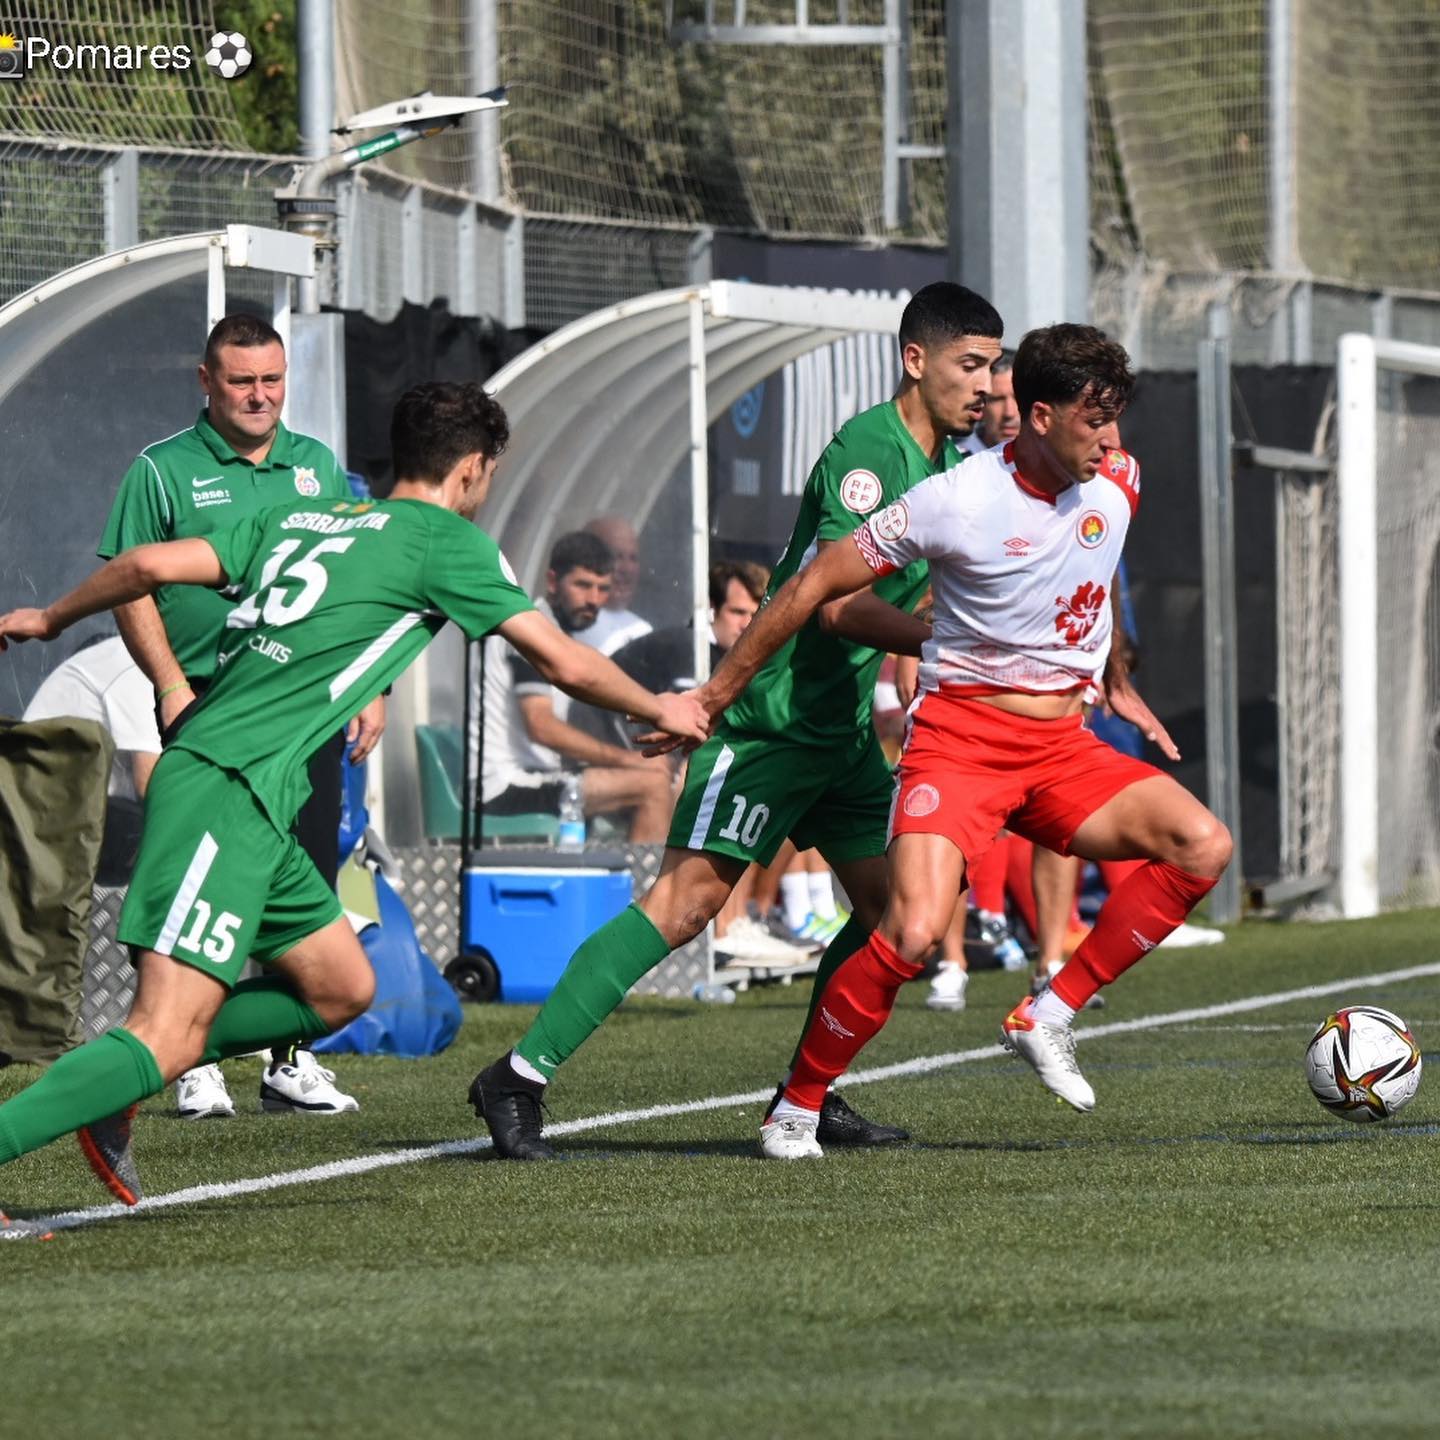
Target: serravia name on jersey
x=350 y=517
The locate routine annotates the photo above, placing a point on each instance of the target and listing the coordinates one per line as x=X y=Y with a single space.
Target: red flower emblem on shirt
x=1079 y=613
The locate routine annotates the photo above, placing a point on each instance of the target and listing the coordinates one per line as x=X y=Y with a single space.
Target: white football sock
x=525 y=1070
x=788 y=1110
x=822 y=895
x=1050 y=1009
x=795 y=899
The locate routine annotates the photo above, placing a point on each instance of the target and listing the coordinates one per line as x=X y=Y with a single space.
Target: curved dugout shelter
x=609 y=417
x=96 y=363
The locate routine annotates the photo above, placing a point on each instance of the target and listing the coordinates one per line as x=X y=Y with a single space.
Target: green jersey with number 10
x=335 y=601
x=821 y=687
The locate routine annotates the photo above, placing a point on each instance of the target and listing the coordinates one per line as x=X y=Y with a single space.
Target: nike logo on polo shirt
x=197 y=481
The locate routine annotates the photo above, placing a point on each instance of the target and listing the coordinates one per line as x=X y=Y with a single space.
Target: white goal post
x=1388 y=528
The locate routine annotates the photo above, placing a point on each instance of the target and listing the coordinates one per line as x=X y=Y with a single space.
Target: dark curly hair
x=437 y=424
x=1062 y=363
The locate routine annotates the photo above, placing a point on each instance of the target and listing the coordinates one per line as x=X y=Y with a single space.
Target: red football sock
x=987 y=877
x=853 y=1008
x=1139 y=914
x=1019 y=859
x=1114 y=873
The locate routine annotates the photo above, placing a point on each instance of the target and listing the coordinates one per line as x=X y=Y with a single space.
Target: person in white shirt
x=101 y=682
x=617 y=624
x=1023 y=542
x=1000 y=420
x=529 y=742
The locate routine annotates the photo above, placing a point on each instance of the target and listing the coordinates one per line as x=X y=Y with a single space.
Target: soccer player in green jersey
x=236 y=460
x=797 y=754
x=335 y=600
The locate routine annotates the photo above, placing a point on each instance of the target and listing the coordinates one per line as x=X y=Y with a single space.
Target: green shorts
x=744 y=794
x=216 y=883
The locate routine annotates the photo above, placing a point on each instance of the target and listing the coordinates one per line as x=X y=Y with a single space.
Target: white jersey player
x=1020 y=578
x=1022 y=544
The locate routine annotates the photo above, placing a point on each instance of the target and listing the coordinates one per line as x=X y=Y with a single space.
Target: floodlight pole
x=307 y=208
x=315 y=33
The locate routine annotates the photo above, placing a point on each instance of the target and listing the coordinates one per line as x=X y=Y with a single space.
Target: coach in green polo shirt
x=237 y=459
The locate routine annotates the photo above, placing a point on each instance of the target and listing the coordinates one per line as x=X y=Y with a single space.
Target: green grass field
x=1208 y=1254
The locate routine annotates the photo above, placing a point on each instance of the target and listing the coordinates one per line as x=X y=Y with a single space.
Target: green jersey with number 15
x=821 y=687
x=335 y=600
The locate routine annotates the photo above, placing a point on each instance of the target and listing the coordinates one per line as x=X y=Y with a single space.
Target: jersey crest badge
x=1090 y=529
x=922 y=800
x=1079 y=613
x=892 y=522
x=860 y=492
x=305 y=482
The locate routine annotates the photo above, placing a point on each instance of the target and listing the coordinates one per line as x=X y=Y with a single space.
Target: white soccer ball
x=1363 y=1064
x=229 y=54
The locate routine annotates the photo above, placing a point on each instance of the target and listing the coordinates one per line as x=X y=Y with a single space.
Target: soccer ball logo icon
x=229 y=54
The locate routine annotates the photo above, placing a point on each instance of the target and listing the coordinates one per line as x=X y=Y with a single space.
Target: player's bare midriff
x=1036 y=707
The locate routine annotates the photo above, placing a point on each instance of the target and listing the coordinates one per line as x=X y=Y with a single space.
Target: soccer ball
x=1363 y=1064
x=229 y=53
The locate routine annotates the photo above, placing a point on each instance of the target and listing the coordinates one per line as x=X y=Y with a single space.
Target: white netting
x=610 y=119
x=1407 y=474
x=1368 y=133
x=1308 y=671
x=191 y=108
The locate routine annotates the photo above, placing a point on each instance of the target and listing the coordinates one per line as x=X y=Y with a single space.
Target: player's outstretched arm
x=588 y=675
x=866 y=619
x=838 y=569
x=137 y=572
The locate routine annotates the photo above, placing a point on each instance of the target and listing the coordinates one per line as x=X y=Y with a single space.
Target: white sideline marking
x=364 y=1164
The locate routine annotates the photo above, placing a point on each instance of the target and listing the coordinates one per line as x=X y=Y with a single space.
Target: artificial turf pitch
x=1208 y=1254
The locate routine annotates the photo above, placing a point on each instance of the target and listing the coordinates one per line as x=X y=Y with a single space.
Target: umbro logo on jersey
x=1017 y=546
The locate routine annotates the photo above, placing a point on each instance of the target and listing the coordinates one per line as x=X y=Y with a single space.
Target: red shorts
x=970 y=770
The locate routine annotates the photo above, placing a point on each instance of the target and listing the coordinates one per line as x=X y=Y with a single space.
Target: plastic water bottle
x=572 y=815
x=713 y=994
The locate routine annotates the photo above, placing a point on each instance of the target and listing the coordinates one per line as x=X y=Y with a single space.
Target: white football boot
x=1049 y=1050
x=200 y=1094
x=303 y=1086
x=947 y=989
x=791 y=1137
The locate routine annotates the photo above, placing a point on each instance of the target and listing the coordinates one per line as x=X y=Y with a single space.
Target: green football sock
x=85 y=1085
x=260 y=1014
x=595 y=981
x=851 y=937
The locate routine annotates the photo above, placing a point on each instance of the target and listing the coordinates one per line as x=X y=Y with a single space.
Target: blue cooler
x=530 y=909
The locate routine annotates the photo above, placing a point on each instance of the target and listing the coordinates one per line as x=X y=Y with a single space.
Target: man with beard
x=529 y=740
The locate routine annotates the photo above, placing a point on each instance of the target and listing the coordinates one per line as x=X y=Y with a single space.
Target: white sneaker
x=791 y=1137
x=1050 y=1051
x=200 y=1093
x=747 y=942
x=306 y=1087
x=1185 y=935
x=947 y=989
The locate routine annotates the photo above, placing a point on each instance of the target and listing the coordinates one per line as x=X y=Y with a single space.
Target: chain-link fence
x=626 y=138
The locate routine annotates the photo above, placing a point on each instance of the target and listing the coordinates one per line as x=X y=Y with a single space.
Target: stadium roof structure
x=40 y=321
x=651 y=375
x=94 y=364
